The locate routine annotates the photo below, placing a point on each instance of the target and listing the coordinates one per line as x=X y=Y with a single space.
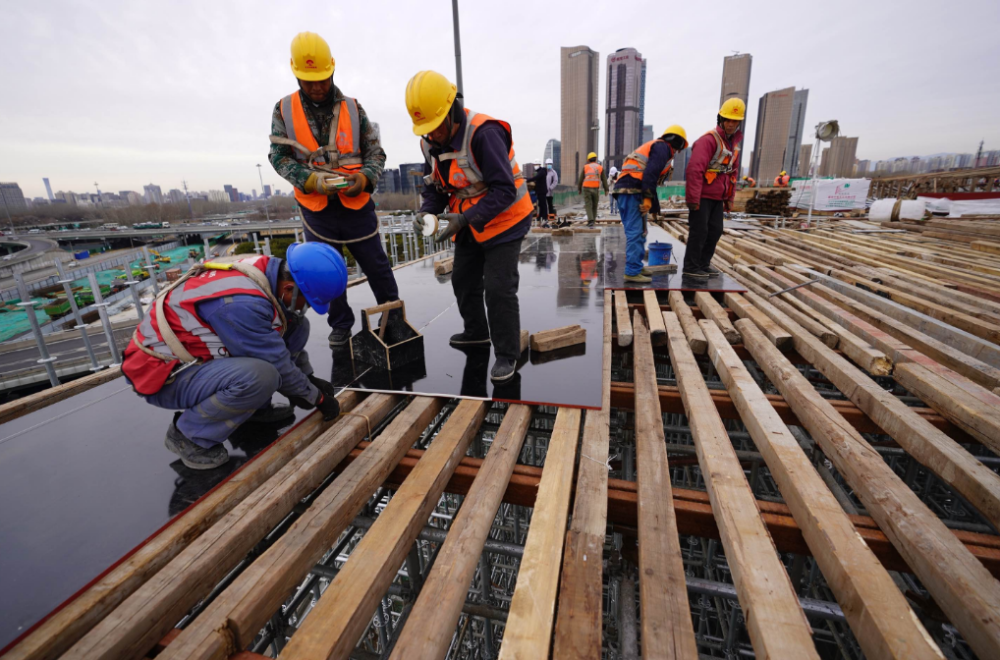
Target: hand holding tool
x=328 y=406
x=455 y=223
x=358 y=183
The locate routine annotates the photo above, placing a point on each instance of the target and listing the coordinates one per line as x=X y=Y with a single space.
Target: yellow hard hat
x=311 y=58
x=429 y=97
x=734 y=109
x=784 y=173
x=591 y=155
x=677 y=130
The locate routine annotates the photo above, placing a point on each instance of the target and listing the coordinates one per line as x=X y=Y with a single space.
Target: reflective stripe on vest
x=592 y=175
x=635 y=162
x=723 y=160
x=342 y=155
x=465 y=180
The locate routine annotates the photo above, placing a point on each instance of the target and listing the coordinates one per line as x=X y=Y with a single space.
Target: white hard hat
x=614 y=170
x=548 y=161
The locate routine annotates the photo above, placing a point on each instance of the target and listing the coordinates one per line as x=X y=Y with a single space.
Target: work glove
x=418 y=224
x=358 y=184
x=328 y=406
x=317 y=183
x=727 y=206
x=456 y=221
x=646 y=204
x=693 y=206
x=324 y=386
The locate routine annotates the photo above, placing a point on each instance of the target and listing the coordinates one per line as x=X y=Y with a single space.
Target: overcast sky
x=128 y=93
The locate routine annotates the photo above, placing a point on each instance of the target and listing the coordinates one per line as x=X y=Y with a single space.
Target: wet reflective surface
x=614 y=259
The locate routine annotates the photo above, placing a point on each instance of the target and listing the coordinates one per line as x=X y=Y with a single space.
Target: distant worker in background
x=612 y=178
x=471 y=172
x=552 y=181
x=589 y=184
x=749 y=182
x=224 y=338
x=643 y=170
x=302 y=122
x=781 y=181
x=540 y=182
x=711 y=185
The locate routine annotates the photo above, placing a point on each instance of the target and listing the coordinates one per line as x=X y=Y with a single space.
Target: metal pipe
x=80 y=325
x=458 y=46
x=135 y=299
x=150 y=269
x=105 y=321
x=28 y=306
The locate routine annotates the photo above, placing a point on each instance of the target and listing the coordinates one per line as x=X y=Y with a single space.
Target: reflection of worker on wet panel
x=591 y=179
x=224 y=338
x=471 y=172
x=332 y=182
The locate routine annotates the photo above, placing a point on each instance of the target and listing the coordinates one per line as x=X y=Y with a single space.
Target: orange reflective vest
x=465 y=180
x=723 y=161
x=342 y=155
x=751 y=182
x=592 y=175
x=781 y=181
x=635 y=163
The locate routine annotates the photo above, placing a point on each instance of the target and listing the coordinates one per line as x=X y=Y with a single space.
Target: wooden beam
x=712 y=310
x=667 y=631
x=54 y=635
x=781 y=339
x=622 y=320
x=778 y=628
x=339 y=619
x=29 y=404
x=875 y=608
x=528 y=633
x=578 y=624
x=550 y=340
x=696 y=339
x=961 y=586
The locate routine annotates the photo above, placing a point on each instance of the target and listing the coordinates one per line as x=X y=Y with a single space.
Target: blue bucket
x=659 y=253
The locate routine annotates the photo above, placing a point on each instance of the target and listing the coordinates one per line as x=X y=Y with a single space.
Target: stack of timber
x=772 y=202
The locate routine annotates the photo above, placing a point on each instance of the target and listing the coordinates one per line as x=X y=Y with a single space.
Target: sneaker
x=697 y=274
x=192 y=455
x=711 y=271
x=591 y=225
x=272 y=414
x=465 y=339
x=503 y=369
x=340 y=337
x=645 y=271
x=638 y=279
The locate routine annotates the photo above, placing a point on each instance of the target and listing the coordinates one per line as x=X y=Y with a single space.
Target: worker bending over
x=591 y=179
x=710 y=180
x=318 y=114
x=470 y=171
x=749 y=182
x=220 y=341
x=643 y=170
x=781 y=181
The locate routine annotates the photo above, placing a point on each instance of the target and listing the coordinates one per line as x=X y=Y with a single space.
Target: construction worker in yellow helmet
x=781 y=181
x=642 y=171
x=710 y=182
x=324 y=145
x=592 y=177
x=476 y=190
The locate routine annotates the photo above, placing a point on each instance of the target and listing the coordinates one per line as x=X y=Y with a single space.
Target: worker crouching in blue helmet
x=248 y=310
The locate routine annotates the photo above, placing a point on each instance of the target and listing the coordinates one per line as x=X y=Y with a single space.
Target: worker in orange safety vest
x=592 y=177
x=781 y=181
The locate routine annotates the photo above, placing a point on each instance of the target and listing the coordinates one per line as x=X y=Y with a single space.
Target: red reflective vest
x=592 y=175
x=148 y=373
x=723 y=160
x=345 y=142
x=635 y=163
x=465 y=180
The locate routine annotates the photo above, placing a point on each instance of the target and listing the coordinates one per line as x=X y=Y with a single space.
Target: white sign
x=832 y=194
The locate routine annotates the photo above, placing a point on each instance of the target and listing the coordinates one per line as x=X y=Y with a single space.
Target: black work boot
x=272 y=414
x=503 y=369
x=192 y=455
x=466 y=339
x=339 y=337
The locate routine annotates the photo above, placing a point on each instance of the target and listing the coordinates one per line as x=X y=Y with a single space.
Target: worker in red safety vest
x=781 y=181
x=324 y=145
x=472 y=175
x=592 y=177
x=221 y=340
x=710 y=181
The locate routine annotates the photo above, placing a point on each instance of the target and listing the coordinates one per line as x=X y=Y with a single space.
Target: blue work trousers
x=221 y=394
x=635 y=242
x=337 y=223
x=614 y=203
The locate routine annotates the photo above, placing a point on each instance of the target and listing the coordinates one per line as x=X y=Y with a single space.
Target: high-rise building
x=680 y=164
x=838 y=158
x=411 y=177
x=48 y=188
x=218 y=196
x=267 y=190
x=233 y=193
x=12 y=197
x=153 y=194
x=388 y=182
x=774 y=119
x=805 y=159
x=553 y=150
x=647 y=134
x=736 y=77
x=796 y=128
x=578 y=109
x=176 y=196
x=625 y=103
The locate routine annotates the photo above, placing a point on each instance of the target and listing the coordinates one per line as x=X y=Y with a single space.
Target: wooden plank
x=550 y=340
x=760 y=289
x=239 y=612
x=667 y=631
x=149 y=613
x=428 y=629
x=528 y=633
x=345 y=608
x=444 y=266
x=774 y=333
x=622 y=320
x=713 y=311
x=778 y=627
x=578 y=624
x=525 y=340
x=54 y=635
x=29 y=404
x=959 y=583
x=875 y=608
x=695 y=337
x=657 y=331
x=986 y=246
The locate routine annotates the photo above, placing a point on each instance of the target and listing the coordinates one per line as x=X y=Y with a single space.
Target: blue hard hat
x=319 y=271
